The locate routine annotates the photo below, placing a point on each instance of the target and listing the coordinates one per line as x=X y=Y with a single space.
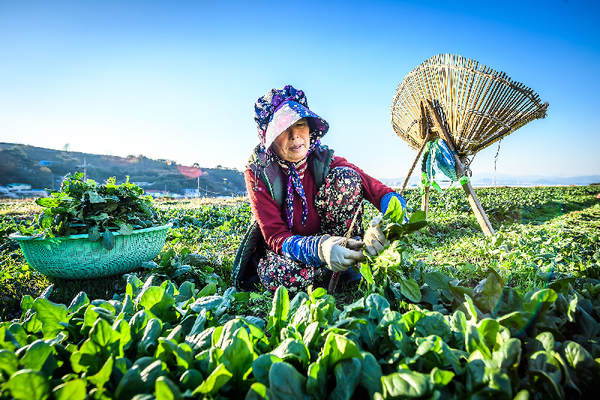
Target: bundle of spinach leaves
x=85 y=207
x=391 y=264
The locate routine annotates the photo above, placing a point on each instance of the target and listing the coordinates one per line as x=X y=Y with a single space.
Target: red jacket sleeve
x=271 y=217
x=373 y=190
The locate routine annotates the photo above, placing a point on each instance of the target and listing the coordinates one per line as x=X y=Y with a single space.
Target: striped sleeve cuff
x=385 y=202
x=304 y=249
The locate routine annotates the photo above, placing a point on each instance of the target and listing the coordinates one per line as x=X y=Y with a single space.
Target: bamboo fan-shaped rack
x=468 y=105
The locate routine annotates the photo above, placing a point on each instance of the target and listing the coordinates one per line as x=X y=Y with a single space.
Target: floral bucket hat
x=281 y=108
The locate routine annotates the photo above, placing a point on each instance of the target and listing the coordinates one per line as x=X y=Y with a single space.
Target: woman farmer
x=304 y=198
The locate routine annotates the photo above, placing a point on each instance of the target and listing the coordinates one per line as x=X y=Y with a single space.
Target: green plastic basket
x=75 y=257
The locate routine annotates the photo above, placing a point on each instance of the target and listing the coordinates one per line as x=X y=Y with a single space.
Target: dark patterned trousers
x=337 y=200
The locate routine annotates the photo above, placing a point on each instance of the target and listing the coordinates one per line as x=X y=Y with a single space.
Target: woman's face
x=293 y=143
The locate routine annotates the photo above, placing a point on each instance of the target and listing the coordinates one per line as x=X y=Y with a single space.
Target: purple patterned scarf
x=294 y=183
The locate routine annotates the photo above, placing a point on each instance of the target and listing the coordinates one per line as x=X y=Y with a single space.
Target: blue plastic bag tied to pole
x=437 y=157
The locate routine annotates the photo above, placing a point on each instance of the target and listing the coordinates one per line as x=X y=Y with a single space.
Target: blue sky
x=178 y=79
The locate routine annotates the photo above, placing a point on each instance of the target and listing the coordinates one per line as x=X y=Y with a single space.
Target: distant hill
x=44 y=168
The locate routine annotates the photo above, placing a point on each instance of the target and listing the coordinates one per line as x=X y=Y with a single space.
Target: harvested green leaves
x=85 y=207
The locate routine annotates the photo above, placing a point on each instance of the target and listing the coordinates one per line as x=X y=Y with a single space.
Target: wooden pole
x=335 y=277
x=425 y=132
x=425 y=201
x=482 y=218
x=414 y=164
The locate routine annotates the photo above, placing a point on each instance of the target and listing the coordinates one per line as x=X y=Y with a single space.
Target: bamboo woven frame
x=478 y=105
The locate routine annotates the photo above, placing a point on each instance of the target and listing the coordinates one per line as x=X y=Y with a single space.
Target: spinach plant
x=391 y=263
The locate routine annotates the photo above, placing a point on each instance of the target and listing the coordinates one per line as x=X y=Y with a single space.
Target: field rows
x=450 y=313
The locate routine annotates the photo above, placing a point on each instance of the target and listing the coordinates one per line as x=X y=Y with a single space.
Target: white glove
x=375 y=239
x=339 y=258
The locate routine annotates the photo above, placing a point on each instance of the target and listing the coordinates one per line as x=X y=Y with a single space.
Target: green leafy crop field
x=443 y=312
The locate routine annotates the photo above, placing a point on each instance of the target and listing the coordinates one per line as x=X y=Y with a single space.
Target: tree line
x=44 y=169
